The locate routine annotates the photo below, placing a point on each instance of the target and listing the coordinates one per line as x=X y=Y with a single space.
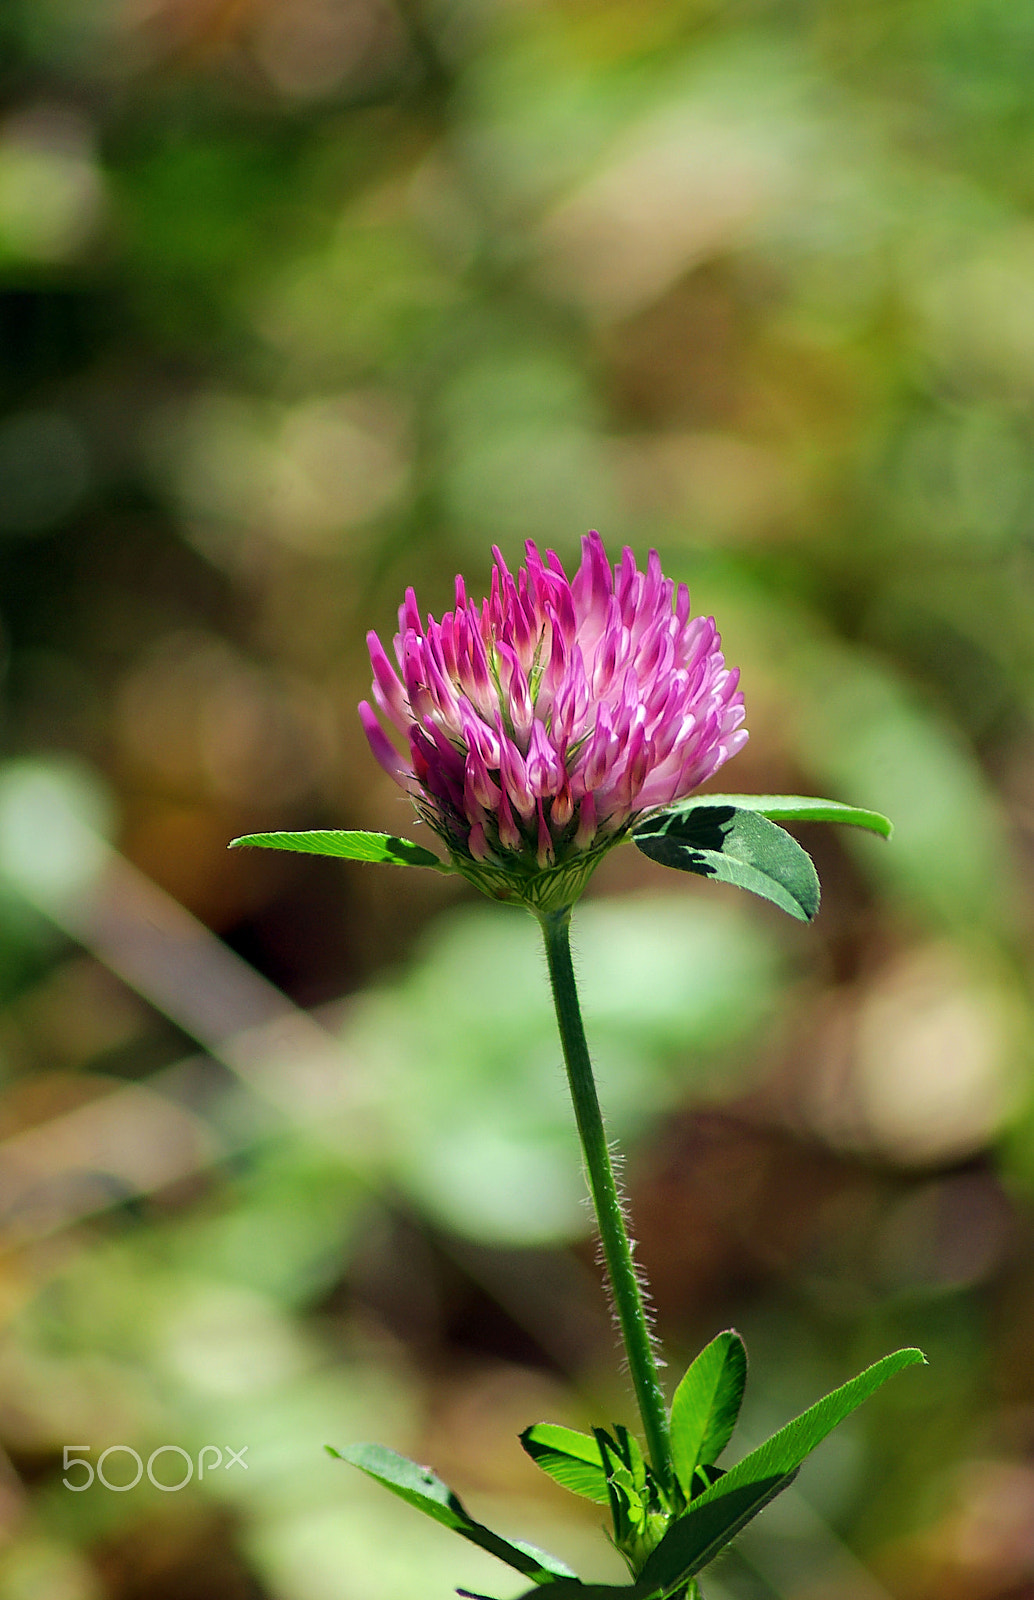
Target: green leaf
x=422 y=1488
x=704 y=1476
x=720 y=1512
x=706 y=1405
x=354 y=846
x=795 y=808
x=628 y=1449
x=626 y=1499
x=570 y=1458
x=641 y=1514
x=704 y=1530
x=573 y=1589
x=736 y=846
x=785 y=1450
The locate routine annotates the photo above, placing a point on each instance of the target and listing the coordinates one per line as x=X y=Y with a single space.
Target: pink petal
x=384 y=751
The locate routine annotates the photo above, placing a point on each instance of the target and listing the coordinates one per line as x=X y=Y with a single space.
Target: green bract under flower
x=543 y=722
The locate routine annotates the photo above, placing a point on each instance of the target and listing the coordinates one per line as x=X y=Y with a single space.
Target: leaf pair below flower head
x=731 y=837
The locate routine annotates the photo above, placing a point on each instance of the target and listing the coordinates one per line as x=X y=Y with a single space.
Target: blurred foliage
x=303 y=301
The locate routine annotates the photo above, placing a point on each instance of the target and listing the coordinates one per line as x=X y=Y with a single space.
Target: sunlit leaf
x=422 y=1488
x=706 y=1405
x=626 y=1495
x=351 y=846
x=570 y=1458
x=796 y=808
x=720 y=1512
x=785 y=1450
x=736 y=846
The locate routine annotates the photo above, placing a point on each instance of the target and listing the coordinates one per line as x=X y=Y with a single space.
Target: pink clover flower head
x=543 y=722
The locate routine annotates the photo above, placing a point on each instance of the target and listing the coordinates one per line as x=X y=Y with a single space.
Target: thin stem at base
x=617 y=1247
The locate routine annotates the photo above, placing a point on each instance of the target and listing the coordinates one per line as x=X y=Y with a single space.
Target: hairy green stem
x=617 y=1247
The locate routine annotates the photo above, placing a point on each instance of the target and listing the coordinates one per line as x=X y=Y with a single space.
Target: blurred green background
x=304 y=301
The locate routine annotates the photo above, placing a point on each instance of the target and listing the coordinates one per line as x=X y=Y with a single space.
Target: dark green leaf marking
x=351 y=846
x=421 y=1487
x=736 y=846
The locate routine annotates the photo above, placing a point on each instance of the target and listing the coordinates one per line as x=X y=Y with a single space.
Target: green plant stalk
x=610 y=1217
